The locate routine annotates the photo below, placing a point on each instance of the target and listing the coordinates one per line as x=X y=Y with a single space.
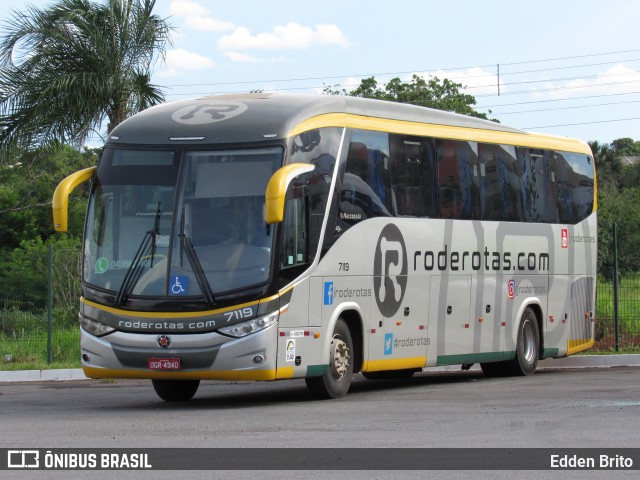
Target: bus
x=279 y=236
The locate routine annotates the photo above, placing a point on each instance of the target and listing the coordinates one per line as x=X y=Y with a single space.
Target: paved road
x=554 y=408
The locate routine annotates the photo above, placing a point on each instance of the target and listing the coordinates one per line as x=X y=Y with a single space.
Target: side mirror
x=277 y=189
x=60 y=203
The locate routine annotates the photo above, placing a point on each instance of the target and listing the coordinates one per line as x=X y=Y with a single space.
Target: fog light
x=258 y=359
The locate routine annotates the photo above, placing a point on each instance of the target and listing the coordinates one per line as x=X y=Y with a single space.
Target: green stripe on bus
x=317 y=370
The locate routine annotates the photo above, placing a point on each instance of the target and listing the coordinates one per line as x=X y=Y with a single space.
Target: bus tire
x=336 y=382
x=527 y=346
x=176 y=390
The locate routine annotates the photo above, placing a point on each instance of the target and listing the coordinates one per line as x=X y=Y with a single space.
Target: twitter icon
x=388 y=343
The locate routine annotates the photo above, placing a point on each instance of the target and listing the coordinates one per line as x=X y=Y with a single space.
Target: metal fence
x=39 y=292
x=40 y=288
x=618 y=328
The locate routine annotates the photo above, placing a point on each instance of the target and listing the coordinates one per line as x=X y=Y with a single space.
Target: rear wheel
x=336 y=382
x=528 y=346
x=176 y=390
x=527 y=350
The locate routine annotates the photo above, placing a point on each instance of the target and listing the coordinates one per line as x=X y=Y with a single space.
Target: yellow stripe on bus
x=442 y=131
x=579 y=345
x=394 y=364
x=93 y=372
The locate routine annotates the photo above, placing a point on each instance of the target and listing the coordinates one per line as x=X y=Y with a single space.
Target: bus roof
x=250 y=118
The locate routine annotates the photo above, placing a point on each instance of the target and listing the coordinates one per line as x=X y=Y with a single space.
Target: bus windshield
x=179 y=224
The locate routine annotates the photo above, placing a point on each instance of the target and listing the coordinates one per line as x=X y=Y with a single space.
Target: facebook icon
x=328 y=293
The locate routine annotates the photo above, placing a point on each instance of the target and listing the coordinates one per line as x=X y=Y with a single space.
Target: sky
x=569 y=68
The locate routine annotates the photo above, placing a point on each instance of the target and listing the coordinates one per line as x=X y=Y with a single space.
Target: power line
x=557 y=100
x=567 y=108
x=554 y=89
x=302 y=79
x=520 y=92
x=566 y=67
x=572 y=57
x=563 y=79
x=581 y=123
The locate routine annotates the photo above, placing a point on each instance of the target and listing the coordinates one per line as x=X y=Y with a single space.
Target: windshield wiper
x=147 y=246
x=187 y=247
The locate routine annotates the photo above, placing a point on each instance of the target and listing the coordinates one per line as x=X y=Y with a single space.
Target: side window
x=366 y=185
x=537 y=186
x=574 y=184
x=500 y=182
x=320 y=148
x=413 y=176
x=458 y=180
x=295 y=244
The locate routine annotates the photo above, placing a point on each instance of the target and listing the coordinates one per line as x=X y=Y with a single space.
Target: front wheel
x=176 y=390
x=336 y=382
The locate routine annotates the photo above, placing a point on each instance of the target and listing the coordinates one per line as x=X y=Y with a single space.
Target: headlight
x=251 y=326
x=95 y=328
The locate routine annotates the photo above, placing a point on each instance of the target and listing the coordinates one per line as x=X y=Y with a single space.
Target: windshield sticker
x=291 y=351
x=102 y=265
x=179 y=285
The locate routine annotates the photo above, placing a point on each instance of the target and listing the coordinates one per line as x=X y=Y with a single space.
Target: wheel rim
x=339 y=358
x=529 y=347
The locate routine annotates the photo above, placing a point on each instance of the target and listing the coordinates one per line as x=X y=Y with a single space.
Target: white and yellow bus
x=267 y=236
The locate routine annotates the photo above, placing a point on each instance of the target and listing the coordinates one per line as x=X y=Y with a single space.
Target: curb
x=61 y=375
x=579 y=361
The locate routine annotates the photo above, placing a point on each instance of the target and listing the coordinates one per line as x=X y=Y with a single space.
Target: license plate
x=164 y=363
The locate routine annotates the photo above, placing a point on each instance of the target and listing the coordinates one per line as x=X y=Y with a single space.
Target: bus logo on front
x=328 y=293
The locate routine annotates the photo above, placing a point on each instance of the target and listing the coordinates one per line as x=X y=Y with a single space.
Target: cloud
x=197 y=17
x=246 y=58
x=178 y=60
x=616 y=79
x=284 y=37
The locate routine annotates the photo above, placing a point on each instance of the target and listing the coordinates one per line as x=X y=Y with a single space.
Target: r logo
x=390 y=270
x=208 y=112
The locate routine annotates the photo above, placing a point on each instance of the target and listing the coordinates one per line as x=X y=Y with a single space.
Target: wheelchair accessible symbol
x=179 y=285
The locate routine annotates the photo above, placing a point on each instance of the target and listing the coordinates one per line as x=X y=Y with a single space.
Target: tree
x=26 y=189
x=434 y=93
x=66 y=69
x=625 y=146
x=608 y=164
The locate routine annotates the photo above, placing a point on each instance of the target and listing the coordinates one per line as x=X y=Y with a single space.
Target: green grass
x=38 y=365
x=628 y=311
x=25 y=348
x=632 y=349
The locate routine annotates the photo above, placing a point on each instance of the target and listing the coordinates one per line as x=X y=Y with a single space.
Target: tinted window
x=458 y=182
x=538 y=195
x=573 y=178
x=500 y=182
x=413 y=176
x=366 y=183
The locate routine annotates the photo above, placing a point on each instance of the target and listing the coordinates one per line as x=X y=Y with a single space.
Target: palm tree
x=608 y=165
x=67 y=69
